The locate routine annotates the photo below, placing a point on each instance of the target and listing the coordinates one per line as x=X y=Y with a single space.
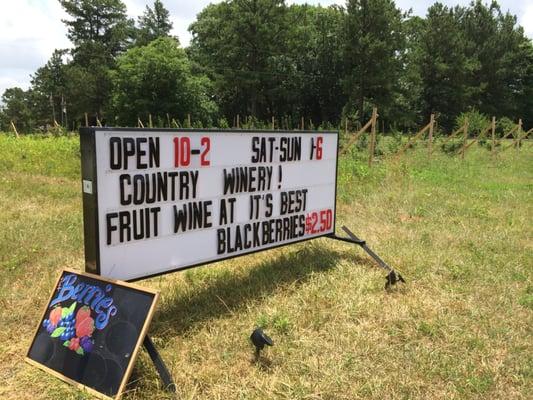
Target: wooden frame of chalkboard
x=144 y=324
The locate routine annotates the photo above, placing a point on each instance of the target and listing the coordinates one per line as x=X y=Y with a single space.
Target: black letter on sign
x=115 y=159
x=223 y=215
x=154 y=152
x=129 y=150
x=110 y=228
x=221 y=241
x=124 y=179
x=255 y=149
x=141 y=152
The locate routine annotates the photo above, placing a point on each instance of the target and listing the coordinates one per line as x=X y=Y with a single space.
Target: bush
x=503 y=126
x=395 y=143
x=477 y=122
x=223 y=123
x=452 y=146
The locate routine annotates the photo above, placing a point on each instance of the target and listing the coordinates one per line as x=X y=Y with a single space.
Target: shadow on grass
x=227 y=293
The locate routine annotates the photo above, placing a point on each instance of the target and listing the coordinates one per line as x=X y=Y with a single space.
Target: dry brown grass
x=460 y=233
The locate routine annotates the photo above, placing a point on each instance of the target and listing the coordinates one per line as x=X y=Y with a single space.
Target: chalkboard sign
x=161 y=200
x=91 y=330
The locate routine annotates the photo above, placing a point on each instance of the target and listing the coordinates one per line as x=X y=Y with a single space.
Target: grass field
x=460 y=232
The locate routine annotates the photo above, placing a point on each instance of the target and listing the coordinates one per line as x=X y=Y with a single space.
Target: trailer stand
x=392 y=278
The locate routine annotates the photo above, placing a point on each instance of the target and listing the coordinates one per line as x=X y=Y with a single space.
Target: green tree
x=406 y=110
x=498 y=52
x=156 y=79
x=524 y=90
x=153 y=24
x=443 y=64
x=99 y=30
x=97 y=25
x=374 y=37
x=49 y=89
x=16 y=108
x=239 y=42
x=311 y=84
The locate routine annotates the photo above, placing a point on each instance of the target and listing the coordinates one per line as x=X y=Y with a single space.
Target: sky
x=30 y=30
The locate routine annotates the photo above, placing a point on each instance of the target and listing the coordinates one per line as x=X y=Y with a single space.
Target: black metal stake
x=392 y=277
x=159 y=364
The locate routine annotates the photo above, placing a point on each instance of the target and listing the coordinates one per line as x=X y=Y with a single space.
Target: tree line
x=264 y=59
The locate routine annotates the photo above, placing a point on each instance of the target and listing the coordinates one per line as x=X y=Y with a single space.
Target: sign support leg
x=160 y=366
x=393 y=277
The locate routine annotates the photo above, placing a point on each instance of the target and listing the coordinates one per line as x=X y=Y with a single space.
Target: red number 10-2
x=182 y=151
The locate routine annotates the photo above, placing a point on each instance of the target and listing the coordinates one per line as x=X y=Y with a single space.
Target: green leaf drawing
x=66 y=343
x=68 y=311
x=80 y=351
x=58 y=331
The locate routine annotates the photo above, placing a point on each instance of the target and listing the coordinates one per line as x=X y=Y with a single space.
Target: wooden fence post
x=356 y=136
x=518 y=139
x=86 y=120
x=150 y=121
x=168 y=120
x=372 y=143
x=412 y=140
x=15 y=129
x=493 y=135
x=273 y=123
x=238 y=121
x=511 y=132
x=303 y=124
x=430 y=139
x=519 y=135
x=346 y=126
x=465 y=138
x=460 y=129
x=476 y=139
x=188 y=120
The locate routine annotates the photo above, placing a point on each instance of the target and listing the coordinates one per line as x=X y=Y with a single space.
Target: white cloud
x=29 y=32
x=182 y=14
x=526 y=20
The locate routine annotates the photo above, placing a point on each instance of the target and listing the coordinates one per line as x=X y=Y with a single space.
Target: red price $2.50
x=318 y=221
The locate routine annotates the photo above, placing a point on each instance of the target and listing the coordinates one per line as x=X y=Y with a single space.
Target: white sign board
x=167 y=200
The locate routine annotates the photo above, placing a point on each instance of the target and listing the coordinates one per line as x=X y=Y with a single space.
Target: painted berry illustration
x=68 y=322
x=87 y=344
x=73 y=327
x=61 y=323
x=55 y=315
x=83 y=313
x=48 y=326
x=74 y=344
x=85 y=327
